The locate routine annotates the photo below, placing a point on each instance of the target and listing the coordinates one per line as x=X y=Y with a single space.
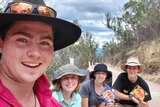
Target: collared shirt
x=75 y=102
x=42 y=92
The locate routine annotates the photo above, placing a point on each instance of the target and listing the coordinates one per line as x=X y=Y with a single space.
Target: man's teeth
x=31 y=65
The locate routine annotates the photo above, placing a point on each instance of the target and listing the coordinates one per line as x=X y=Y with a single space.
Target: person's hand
x=143 y=104
x=134 y=99
x=103 y=104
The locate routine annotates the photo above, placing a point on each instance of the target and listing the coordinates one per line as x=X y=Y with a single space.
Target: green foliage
x=86 y=50
x=136 y=23
x=139 y=22
x=110 y=48
x=83 y=51
x=60 y=58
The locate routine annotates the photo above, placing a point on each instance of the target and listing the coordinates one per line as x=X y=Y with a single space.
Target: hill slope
x=149 y=55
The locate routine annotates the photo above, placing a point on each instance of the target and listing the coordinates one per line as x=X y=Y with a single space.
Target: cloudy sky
x=90 y=13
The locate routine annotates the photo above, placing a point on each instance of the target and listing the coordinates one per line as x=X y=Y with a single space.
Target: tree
x=129 y=26
x=138 y=23
x=86 y=50
x=82 y=51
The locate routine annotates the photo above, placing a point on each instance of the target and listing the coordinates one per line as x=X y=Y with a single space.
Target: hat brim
x=109 y=74
x=123 y=67
x=65 y=33
x=55 y=77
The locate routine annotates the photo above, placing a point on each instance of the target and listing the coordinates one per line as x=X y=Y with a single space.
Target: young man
x=30 y=33
x=128 y=81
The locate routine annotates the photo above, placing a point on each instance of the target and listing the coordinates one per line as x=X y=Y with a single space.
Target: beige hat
x=133 y=61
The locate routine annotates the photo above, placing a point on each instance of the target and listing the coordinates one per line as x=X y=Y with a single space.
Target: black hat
x=66 y=33
x=100 y=68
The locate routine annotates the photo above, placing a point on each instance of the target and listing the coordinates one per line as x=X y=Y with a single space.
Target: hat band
x=133 y=63
x=28 y=8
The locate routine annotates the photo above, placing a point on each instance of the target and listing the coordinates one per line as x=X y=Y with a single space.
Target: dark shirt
x=87 y=90
x=123 y=85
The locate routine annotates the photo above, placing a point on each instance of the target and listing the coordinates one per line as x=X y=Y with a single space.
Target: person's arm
x=84 y=102
x=125 y=97
x=84 y=92
x=121 y=95
x=143 y=104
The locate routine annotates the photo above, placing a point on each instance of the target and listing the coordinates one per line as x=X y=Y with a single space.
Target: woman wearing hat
x=29 y=35
x=66 y=81
x=126 y=85
x=90 y=90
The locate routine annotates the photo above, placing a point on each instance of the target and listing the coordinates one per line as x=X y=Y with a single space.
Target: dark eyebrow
x=30 y=36
x=23 y=33
x=48 y=37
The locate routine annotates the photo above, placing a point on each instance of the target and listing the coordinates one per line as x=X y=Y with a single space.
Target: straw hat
x=133 y=61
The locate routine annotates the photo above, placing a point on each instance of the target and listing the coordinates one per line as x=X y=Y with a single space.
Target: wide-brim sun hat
x=132 y=61
x=65 y=70
x=65 y=33
x=101 y=68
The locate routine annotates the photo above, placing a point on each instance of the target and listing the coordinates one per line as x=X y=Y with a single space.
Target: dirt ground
x=154 y=87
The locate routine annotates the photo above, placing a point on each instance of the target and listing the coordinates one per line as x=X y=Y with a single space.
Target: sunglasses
x=28 y=8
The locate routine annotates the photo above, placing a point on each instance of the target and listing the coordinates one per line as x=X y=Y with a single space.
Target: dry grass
x=148 y=54
x=155 y=77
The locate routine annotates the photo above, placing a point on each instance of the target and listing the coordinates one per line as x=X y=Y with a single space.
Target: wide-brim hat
x=133 y=61
x=65 y=70
x=65 y=33
x=101 y=68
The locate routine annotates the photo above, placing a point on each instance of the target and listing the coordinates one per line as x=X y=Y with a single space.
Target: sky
x=90 y=14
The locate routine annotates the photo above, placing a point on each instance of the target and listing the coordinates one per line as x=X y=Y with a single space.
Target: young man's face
x=100 y=76
x=132 y=71
x=26 y=51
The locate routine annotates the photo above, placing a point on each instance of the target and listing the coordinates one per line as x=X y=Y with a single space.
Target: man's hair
x=137 y=66
x=4 y=29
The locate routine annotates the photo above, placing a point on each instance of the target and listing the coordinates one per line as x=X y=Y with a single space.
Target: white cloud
x=90 y=14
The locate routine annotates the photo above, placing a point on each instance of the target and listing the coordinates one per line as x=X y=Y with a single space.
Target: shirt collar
x=61 y=98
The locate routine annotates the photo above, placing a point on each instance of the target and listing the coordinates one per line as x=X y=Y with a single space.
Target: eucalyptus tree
x=129 y=26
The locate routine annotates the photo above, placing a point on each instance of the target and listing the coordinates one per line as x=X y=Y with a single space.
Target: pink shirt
x=42 y=91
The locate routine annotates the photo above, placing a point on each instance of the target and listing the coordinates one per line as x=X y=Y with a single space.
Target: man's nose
x=34 y=51
x=69 y=79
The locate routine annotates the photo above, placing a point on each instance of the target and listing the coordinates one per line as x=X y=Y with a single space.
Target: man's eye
x=44 y=43
x=22 y=40
x=47 y=43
